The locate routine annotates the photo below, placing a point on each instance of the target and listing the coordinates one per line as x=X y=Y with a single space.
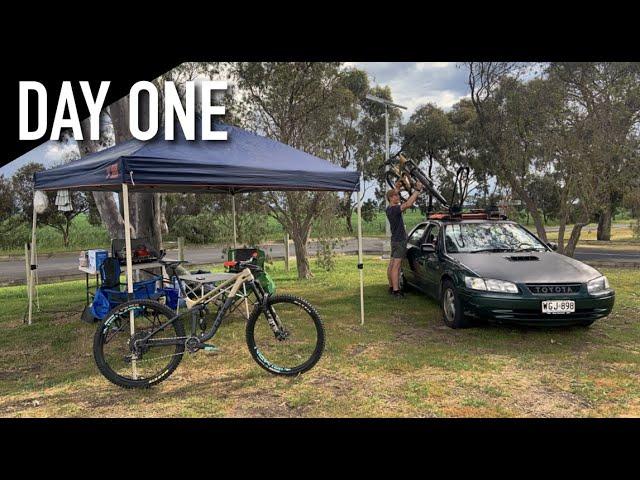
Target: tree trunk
x=105 y=201
x=604 y=224
x=561 y=229
x=148 y=219
x=145 y=208
x=65 y=235
x=160 y=206
x=573 y=239
x=532 y=209
x=300 y=239
x=349 y=224
x=347 y=213
x=539 y=223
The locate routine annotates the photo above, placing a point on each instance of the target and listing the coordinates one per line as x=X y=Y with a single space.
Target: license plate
x=558 y=306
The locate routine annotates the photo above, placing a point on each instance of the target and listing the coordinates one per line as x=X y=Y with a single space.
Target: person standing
x=398 y=235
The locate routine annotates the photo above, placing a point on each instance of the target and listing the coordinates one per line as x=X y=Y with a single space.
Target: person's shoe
x=390 y=290
x=398 y=294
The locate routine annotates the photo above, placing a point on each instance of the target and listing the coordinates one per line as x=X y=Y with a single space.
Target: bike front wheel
x=129 y=360
x=286 y=336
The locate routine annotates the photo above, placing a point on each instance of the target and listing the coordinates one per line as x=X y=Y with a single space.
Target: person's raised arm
x=412 y=199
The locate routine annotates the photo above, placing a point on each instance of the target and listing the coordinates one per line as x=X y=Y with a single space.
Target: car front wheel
x=452 y=312
x=402 y=283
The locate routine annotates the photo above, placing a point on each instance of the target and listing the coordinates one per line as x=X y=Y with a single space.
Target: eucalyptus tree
x=513 y=117
x=604 y=97
x=300 y=104
x=22 y=190
x=7 y=203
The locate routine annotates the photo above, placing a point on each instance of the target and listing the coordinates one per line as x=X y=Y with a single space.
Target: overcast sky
x=412 y=84
x=416 y=83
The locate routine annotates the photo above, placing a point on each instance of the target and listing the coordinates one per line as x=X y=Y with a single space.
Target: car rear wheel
x=452 y=312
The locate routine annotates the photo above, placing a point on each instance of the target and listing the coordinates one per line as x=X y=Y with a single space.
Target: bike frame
x=408 y=173
x=230 y=286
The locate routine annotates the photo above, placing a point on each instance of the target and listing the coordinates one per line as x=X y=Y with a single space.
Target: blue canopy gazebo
x=245 y=162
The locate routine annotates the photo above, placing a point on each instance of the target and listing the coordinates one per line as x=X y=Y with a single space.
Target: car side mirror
x=553 y=246
x=427 y=248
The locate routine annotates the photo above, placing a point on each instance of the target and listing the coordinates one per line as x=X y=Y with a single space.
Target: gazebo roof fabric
x=245 y=162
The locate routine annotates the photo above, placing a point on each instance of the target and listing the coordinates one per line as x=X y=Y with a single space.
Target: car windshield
x=489 y=237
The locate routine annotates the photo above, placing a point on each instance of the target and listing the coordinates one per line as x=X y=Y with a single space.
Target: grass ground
x=402 y=362
x=619 y=235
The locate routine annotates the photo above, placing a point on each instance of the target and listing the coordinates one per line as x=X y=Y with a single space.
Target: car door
x=410 y=262
x=429 y=266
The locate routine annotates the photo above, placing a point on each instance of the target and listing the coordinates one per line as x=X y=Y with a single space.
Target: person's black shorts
x=398 y=249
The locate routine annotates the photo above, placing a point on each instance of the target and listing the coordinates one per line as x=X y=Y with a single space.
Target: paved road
x=66 y=265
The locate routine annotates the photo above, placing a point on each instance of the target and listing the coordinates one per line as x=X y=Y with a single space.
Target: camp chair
x=244 y=254
x=110 y=293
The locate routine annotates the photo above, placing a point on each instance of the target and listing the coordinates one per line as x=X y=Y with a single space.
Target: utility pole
x=386 y=246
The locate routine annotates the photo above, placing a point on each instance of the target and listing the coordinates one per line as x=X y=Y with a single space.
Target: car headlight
x=490 y=285
x=598 y=285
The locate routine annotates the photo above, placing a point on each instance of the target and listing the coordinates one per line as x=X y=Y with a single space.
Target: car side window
x=449 y=239
x=416 y=237
x=432 y=235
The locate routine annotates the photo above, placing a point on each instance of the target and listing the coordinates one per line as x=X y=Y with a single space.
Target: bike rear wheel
x=298 y=341
x=126 y=360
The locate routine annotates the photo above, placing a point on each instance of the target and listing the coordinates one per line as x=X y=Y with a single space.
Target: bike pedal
x=210 y=348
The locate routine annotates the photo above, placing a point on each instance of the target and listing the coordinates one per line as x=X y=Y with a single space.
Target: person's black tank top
x=394 y=214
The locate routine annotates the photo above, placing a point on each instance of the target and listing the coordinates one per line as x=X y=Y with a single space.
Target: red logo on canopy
x=113 y=171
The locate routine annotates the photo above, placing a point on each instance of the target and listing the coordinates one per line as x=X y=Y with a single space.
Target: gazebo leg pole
x=360 y=262
x=233 y=211
x=127 y=242
x=235 y=245
x=32 y=266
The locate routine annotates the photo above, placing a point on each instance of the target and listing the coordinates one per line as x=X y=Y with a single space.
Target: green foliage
x=325 y=229
x=200 y=228
x=368 y=210
x=312 y=106
x=22 y=190
x=7 y=203
x=14 y=233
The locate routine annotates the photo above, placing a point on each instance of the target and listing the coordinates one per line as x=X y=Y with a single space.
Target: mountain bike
x=408 y=174
x=140 y=343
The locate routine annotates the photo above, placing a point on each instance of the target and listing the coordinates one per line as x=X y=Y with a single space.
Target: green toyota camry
x=495 y=269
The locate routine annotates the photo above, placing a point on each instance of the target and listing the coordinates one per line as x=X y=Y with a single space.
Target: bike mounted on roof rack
x=407 y=173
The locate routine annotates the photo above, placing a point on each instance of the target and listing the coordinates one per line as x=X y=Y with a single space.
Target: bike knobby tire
x=291 y=310
x=115 y=323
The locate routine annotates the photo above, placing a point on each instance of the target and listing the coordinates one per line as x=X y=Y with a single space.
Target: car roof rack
x=456 y=213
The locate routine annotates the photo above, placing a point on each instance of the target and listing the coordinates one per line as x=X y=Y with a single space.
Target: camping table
x=137 y=267
x=201 y=279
